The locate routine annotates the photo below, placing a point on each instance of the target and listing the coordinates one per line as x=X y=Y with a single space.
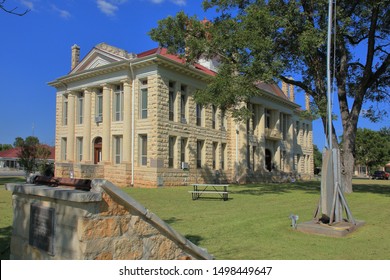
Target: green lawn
x=6 y=215
x=254 y=223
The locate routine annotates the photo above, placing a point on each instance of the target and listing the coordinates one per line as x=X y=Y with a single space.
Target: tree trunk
x=348 y=149
x=348 y=163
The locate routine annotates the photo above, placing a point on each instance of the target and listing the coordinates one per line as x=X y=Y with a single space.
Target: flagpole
x=328 y=74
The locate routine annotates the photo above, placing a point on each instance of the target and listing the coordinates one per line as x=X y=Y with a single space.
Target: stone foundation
x=103 y=223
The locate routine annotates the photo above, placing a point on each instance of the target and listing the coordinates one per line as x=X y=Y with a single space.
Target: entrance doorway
x=268 y=160
x=97 y=148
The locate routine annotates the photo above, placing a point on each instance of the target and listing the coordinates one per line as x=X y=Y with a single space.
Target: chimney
x=292 y=94
x=307 y=102
x=285 y=88
x=75 y=56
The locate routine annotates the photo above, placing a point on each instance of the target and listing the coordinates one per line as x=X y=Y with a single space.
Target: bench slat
x=207 y=192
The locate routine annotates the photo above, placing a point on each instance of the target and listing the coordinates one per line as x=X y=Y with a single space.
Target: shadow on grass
x=371 y=188
x=4 y=180
x=194 y=239
x=5 y=241
x=312 y=187
x=172 y=220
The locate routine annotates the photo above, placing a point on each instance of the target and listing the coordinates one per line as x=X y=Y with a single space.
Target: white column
x=87 y=127
x=262 y=136
x=126 y=121
x=106 y=139
x=71 y=127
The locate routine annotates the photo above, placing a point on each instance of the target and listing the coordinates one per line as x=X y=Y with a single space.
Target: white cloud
x=28 y=4
x=63 y=13
x=179 y=2
x=108 y=7
x=176 y=2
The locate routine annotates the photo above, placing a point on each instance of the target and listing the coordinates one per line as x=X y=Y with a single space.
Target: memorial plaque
x=41 y=234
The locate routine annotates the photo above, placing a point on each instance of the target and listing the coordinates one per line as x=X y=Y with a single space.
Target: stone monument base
x=335 y=230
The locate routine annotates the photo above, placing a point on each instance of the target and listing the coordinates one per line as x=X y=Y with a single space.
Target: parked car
x=381 y=175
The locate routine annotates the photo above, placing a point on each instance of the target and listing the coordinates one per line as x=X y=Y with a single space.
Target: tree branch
x=298 y=84
x=12 y=11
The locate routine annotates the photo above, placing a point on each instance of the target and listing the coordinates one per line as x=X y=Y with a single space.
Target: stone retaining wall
x=104 y=223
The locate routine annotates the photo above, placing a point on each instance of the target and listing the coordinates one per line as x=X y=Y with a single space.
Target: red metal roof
x=13 y=153
x=271 y=88
x=164 y=52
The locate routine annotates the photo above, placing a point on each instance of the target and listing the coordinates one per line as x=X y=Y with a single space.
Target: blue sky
x=35 y=49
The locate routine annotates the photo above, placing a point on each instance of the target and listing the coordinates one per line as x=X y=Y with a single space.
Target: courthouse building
x=131 y=119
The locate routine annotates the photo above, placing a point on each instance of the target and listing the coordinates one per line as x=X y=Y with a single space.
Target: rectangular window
x=223 y=155
x=118 y=147
x=284 y=119
x=223 y=119
x=118 y=103
x=172 y=142
x=80 y=108
x=199 y=153
x=267 y=118
x=143 y=150
x=79 y=148
x=214 y=116
x=172 y=97
x=183 y=147
x=64 y=148
x=199 y=110
x=144 y=99
x=215 y=149
x=183 y=104
x=65 y=110
x=99 y=106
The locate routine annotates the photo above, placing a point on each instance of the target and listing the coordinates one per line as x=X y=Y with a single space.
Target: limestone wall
x=104 y=223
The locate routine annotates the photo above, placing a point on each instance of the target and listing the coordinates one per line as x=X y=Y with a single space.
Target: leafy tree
x=372 y=148
x=32 y=155
x=12 y=10
x=4 y=147
x=278 y=39
x=19 y=141
x=317 y=159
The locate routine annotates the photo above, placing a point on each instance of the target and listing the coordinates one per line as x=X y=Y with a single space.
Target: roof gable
x=102 y=54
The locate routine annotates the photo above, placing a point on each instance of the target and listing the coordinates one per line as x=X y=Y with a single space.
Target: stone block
x=98 y=228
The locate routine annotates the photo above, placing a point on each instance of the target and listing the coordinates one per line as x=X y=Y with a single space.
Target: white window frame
x=79 y=148
x=183 y=148
x=199 y=115
x=99 y=103
x=118 y=103
x=64 y=148
x=143 y=103
x=118 y=149
x=80 y=108
x=183 y=104
x=199 y=153
x=171 y=100
x=65 y=106
x=143 y=149
x=171 y=151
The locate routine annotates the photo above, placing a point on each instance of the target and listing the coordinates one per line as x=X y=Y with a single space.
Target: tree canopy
x=279 y=39
x=32 y=155
x=372 y=147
